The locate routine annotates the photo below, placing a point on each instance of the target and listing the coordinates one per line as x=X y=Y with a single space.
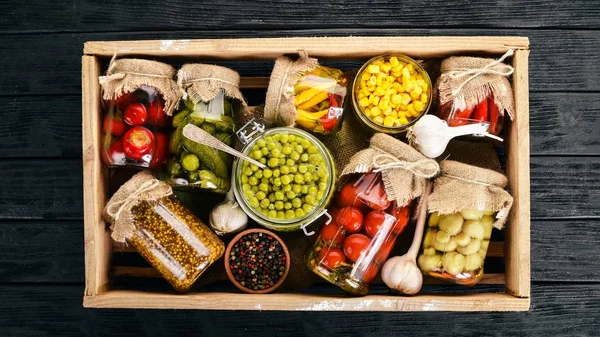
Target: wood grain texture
x=88 y=15
x=56 y=310
x=562 y=60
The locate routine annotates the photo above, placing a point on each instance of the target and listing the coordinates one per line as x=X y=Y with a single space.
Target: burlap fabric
x=203 y=82
x=461 y=186
x=405 y=171
x=480 y=154
x=279 y=102
x=126 y=75
x=469 y=80
x=349 y=140
x=142 y=187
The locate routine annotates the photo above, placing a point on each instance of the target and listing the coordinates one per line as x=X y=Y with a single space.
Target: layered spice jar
x=371 y=209
x=139 y=96
x=466 y=203
x=145 y=213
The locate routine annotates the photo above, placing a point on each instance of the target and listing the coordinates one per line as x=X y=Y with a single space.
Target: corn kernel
x=379 y=82
x=394 y=61
x=375 y=100
x=371 y=88
x=401 y=114
x=388 y=121
x=403 y=121
x=413 y=78
x=378 y=62
x=425 y=86
x=365 y=76
x=420 y=81
x=373 y=80
x=363 y=102
x=405 y=73
x=418 y=105
x=388 y=111
x=400 y=89
x=380 y=91
x=375 y=111
x=378 y=120
x=383 y=104
x=397 y=123
x=386 y=67
x=367 y=111
x=394 y=114
x=410 y=68
x=405 y=99
x=373 y=69
x=386 y=97
x=396 y=99
x=424 y=98
x=396 y=74
x=414 y=95
x=371 y=98
x=385 y=85
x=362 y=95
x=390 y=79
x=410 y=110
x=365 y=91
x=418 y=90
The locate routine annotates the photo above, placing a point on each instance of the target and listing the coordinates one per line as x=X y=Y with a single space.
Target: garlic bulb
x=228 y=217
x=401 y=272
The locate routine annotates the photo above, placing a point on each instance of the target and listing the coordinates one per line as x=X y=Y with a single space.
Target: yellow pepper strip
x=313 y=115
x=314 y=100
x=309 y=82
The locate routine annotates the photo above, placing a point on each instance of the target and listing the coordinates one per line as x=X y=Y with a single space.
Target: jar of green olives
x=297 y=183
x=466 y=203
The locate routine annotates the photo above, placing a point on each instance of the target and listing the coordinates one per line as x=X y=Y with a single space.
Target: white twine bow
x=425 y=168
x=501 y=69
x=122 y=204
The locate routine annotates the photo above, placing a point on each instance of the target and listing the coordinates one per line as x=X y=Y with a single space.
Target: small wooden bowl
x=228 y=267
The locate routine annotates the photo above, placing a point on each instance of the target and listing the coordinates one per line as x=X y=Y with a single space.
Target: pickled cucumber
x=175 y=141
x=180 y=118
x=190 y=162
x=208 y=157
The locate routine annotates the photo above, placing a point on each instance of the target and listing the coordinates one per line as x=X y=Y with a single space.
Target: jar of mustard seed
x=145 y=213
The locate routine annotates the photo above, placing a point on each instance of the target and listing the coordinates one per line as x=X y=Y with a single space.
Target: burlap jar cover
x=203 y=82
x=469 y=80
x=279 y=102
x=461 y=186
x=127 y=75
x=142 y=187
x=404 y=170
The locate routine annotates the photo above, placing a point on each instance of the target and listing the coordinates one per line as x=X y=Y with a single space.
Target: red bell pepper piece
x=460 y=117
x=135 y=114
x=161 y=149
x=113 y=125
x=138 y=142
x=495 y=117
x=481 y=111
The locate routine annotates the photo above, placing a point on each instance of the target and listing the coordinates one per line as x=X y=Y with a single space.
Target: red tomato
x=114 y=154
x=332 y=233
x=402 y=215
x=354 y=245
x=331 y=257
x=371 y=273
x=114 y=125
x=348 y=196
x=156 y=113
x=135 y=114
x=138 y=142
x=124 y=100
x=333 y=212
x=373 y=222
x=161 y=149
x=350 y=218
x=481 y=111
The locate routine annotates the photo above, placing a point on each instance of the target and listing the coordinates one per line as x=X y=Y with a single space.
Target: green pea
x=271 y=206
x=264 y=203
x=273 y=162
x=276 y=188
x=268 y=139
x=264 y=180
x=272 y=214
x=254 y=189
x=287 y=188
x=253 y=202
x=310 y=199
x=265 y=151
x=285 y=179
x=290 y=195
x=280 y=215
x=263 y=187
x=293 y=144
x=291 y=138
x=275 y=153
x=267 y=173
x=279 y=195
x=290 y=163
x=258 y=174
x=272 y=197
x=261 y=143
x=263 y=161
x=244 y=179
x=297 y=188
x=287 y=205
x=312 y=149
x=247 y=171
x=311 y=167
x=307 y=208
x=293 y=169
x=285 y=169
x=253 y=167
x=277 y=182
x=260 y=195
x=282 y=160
x=322 y=172
x=300 y=212
x=295 y=156
x=253 y=180
x=246 y=187
x=270 y=146
x=308 y=177
x=320 y=195
x=290 y=214
x=302 y=168
x=322 y=186
x=299 y=148
x=304 y=189
x=286 y=150
x=304 y=157
x=248 y=194
x=314 y=158
x=277 y=137
x=305 y=143
x=315 y=177
x=284 y=138
x=279 y=205
x=297 y=203
x=257 y=154
x=276 y=172
x=299 y=178
x=312 y=190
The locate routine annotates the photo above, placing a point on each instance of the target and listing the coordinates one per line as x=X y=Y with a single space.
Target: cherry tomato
x=373 y=222
x=333 y=212
x=481 y=111
x=161 y=149
x=138 y=142
x=354 y=245
x=124 y=100
x=372 y=192
x=332 y=233
x=402 y=215
x=348 y=196
x=135 y=114
x=371 y=273
x=156 y=113
x=350 y=218
x=114 y=125
x=114 y=154
x=331 y=257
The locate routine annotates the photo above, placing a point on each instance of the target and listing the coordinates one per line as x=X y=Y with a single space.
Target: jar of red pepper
x=139 y=98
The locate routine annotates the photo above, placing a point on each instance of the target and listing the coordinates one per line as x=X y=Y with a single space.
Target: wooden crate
x=98 y=245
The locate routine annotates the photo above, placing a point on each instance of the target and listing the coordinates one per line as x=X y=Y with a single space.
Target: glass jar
x=455 y=245
x=295 y=187
x=133 y=129
x=351 y=249
x=390 y=93
x=455 y=113
x=319 y=100
x=199 y=166
x=174 y=241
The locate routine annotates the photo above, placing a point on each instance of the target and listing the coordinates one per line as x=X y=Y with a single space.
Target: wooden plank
x=97 y=238
x=305 y=302
x=326 y=47
x=87 y=15
x=517 y=169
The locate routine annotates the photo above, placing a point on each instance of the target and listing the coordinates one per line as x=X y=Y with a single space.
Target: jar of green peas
x=294 y=188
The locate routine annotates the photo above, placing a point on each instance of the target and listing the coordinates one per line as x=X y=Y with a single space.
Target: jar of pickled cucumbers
x=352 y=248
x=390 y=93
x=294 y=188
x=145 y=214
x=466 y=203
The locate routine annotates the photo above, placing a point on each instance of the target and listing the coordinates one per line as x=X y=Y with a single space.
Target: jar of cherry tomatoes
x=371 y=209
x=351 y=249
x=139 y=97
x=475 y=90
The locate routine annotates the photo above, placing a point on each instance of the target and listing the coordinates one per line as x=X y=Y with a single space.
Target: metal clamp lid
x=247 y=132
x=324 y=212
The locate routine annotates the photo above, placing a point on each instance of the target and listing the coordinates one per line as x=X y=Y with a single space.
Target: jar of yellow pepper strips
x=390 y=93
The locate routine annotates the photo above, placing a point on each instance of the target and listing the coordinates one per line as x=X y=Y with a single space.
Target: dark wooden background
x=41 y=228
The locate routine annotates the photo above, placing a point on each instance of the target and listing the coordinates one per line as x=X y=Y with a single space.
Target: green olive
x=451 y=223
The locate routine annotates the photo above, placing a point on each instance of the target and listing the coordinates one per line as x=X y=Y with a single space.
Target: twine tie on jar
x=121 y=75
x=425 y=168
x=501 y=69
x=122 y=204
x=185 y=84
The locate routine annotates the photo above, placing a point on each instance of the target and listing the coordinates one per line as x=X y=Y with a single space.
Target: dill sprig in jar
x=145 y=213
